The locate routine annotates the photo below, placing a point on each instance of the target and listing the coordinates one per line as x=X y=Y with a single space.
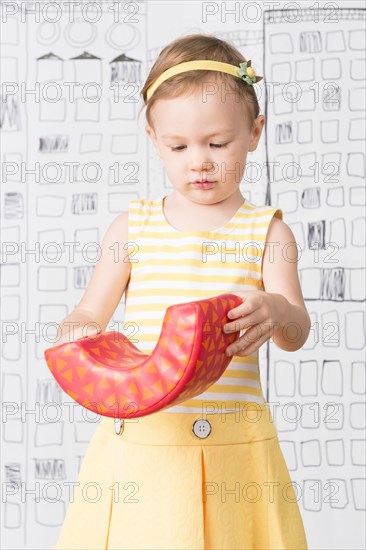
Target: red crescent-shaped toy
x=107 y=374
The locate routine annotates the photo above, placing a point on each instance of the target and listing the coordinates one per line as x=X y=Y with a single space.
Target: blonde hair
x=190 y=48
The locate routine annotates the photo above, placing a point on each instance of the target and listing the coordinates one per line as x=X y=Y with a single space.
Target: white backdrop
x=74 y=154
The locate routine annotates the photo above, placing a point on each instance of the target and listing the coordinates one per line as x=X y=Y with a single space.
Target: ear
x=150 y=132
x=256 y=132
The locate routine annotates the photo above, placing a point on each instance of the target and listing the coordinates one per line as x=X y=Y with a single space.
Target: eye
x=216 y=145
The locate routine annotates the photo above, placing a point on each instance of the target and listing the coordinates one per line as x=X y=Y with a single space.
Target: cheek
x=239 y=154
x=173 y=167
x=176 y=161
x=232 y=157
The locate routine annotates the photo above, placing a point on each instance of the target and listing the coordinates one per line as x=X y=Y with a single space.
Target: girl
x=208 y=473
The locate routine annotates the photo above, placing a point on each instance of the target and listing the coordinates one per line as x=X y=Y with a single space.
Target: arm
x=280 y=278
x=106 y=287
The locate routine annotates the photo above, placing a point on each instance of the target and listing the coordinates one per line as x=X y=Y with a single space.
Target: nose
x=201 y=161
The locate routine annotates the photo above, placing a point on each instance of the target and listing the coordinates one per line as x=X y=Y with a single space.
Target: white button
x=201 y=428
x=118 y=425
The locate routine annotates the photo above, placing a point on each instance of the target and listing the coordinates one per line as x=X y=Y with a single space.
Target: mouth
x=204 y=184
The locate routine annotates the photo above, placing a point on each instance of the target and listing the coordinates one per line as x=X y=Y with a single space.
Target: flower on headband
x=246 y=73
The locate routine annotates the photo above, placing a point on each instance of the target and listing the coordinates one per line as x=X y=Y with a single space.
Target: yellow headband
x=244 y=71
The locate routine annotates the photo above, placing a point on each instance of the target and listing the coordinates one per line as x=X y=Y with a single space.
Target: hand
x=263 y=312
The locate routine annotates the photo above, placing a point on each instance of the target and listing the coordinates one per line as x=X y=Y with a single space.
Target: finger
x=241 y=324
x=249 y=339
x=251 y=348
x=254 y=334
x=236 y=346
x=237 y=311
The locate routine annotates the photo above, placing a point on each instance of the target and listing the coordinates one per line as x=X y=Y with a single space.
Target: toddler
x=208 y=473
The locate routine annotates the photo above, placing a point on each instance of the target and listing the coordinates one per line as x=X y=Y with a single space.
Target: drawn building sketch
x=316 y=150
x=72 y=155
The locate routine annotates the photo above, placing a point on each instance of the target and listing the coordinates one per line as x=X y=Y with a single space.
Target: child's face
x=194 y=155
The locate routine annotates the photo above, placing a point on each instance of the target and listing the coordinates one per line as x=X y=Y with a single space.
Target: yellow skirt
x=185 y=481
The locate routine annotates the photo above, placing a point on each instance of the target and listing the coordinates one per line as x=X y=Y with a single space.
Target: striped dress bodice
x=169 y=266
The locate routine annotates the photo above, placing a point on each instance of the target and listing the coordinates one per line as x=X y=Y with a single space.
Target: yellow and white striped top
x=169 y=266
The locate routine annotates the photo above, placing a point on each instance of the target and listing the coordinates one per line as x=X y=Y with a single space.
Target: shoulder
x=279 y=231
x=262 y=211
x=120 y=222
x=280 y=255
x=126 y=225
x=118 y=229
